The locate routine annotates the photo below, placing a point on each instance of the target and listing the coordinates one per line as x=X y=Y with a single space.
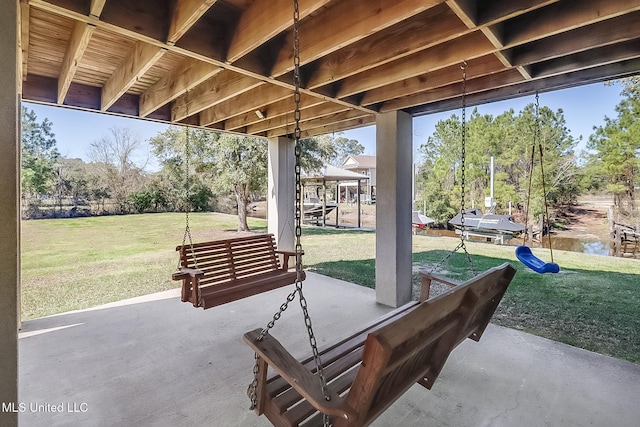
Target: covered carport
x=226 y=65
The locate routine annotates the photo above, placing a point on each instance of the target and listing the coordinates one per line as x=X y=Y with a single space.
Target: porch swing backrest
x=221 y=271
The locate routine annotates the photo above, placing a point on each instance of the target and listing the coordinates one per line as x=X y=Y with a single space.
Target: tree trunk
x=243 y=202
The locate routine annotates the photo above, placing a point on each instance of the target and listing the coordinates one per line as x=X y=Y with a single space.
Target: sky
x=584 y=107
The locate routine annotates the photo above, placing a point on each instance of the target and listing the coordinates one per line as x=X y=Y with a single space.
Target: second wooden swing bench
x=370 y=370
x=221 y=271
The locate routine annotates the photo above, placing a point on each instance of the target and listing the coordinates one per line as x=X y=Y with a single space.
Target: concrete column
x=394 y=154
x=282 y=192
x=9 y=212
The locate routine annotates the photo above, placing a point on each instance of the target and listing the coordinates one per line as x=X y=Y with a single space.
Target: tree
x=240 y=163
x=617 y=146
x=113 y=156
x=39 y=154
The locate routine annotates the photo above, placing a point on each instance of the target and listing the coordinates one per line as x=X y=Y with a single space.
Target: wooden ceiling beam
x=530 y=87
x=221 y=87
x=319 y=122
x=80 y=37
x=588 y=59
x=456 y=51
x=96 y=7
x=261 y=22
x=139 y=60
x=560 y=16
x=343 y=24
x=497 y=80
x=603 y=33
x=185 y=76
x=185 y=14
x=415 y=34
x=247 y=102
x=479 y=67
x=339 y=127
x=271 y=111
x=287 y=120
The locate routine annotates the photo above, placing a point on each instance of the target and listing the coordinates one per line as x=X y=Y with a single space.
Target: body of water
x=593 y=247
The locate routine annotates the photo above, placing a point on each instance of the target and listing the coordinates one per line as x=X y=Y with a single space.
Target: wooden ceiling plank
x=135 y=65
x=335 y=28
x=415 y=34
x=186 y=75
x=221 y=87
x=482 y=66
x=500 y=10
x=80 y=37
x=185 y=14
x=263 y=20
x=603 y=33
x=562 y=16
x=456 y=51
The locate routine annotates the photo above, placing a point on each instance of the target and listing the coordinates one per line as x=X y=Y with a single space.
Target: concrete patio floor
x=156 y=361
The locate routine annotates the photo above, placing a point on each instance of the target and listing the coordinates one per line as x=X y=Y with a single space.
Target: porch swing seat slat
x=226 y=270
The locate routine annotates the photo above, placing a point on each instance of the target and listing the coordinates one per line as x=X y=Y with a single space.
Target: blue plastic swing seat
x=536 y=264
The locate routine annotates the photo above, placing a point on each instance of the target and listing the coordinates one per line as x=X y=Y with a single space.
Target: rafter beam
x=96 y=7
x=185 y=14
x=339 y=127
x=287 y=120
x=80 y=37
x=454 y=52
x=223 y=86
x=485 y=65
x=319 y=122
x=603 y=33
x=260 y=22
x=139 y=60
x=382 y=47
x=505 y=78
x=558 y=17
x=321 y=36
x=271 y=111
x=185 y=76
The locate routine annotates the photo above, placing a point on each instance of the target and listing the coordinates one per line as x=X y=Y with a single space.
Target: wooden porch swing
x=221 y=271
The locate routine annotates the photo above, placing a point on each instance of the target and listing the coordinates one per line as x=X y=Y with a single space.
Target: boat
x=489 y=225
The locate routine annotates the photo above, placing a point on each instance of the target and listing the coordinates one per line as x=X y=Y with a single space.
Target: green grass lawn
x=70 y=264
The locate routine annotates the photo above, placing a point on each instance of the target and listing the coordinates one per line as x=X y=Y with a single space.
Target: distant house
x=365 y=165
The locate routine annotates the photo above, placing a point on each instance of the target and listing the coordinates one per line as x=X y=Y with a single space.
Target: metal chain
x=544 y=188
x=187 y=185
x=252 y=391
x=463 y=157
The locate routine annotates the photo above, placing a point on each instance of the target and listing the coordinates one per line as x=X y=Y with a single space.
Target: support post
x=281 y=192
x=393 y=212
x=9 y=212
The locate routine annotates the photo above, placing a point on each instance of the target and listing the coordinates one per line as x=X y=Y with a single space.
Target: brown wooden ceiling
x=216 y=63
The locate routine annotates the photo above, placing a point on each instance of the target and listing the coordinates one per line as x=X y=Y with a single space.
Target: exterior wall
x=9 y=211
x=393 y=211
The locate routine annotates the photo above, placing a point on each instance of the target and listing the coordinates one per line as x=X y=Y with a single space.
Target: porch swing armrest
x=186 y=272
x=428 y=277
x=298 y=376
x=285 y=257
